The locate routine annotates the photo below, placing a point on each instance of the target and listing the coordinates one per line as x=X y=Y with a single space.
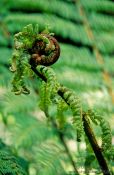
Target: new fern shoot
x=31 y=47
x=33 y=53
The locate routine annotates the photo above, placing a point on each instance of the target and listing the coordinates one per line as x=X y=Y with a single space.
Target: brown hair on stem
x=43 y=53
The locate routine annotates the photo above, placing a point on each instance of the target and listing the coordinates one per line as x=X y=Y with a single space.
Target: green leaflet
x=106 y=131
x=50 y=76
x=20 y=58
x=45 y=96
x=61 y=108
x=69 y=96
x=48 y=89
x=73 y=101
x=23 y=41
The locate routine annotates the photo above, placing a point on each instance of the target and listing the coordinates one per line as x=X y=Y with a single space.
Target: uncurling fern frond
x=69 y=97
x=49 y=88
x=102 y=22
x=50 y=76
x=43 y=51
x=73 y=101
x=29 y=46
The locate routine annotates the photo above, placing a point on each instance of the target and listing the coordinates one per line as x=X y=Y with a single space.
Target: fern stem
x=93 y=142
x=88 y=131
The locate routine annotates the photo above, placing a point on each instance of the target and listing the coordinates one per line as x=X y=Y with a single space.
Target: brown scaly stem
x=93 y=142
x=88 y=131
x=42 y=55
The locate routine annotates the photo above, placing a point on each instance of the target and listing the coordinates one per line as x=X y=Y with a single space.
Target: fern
x=63 y=33
x=101 y=22
x=60 y=8
x=100 y=6
x=77 y=69
x=29 y=131
x=106 y=132
x=75 y=106
x=53 y=154
x=45 y=96
x=48 y=18
x=83 y=57
x=22 y=106
x=51 y=78
x=9 y=164
x=61 y=108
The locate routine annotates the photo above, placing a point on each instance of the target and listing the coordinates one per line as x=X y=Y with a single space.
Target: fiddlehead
x=31 y=48
x=45 y=50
